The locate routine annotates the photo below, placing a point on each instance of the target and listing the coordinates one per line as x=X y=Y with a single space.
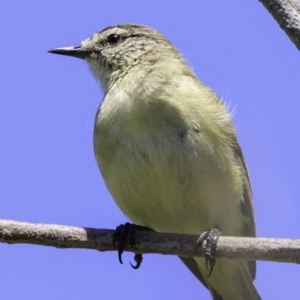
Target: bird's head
x=117 y=48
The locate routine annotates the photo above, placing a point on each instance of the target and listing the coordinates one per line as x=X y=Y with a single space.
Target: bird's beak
x=77 y=51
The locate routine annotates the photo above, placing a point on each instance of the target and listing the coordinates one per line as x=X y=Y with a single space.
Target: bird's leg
x=211 y=237
x=124 y=232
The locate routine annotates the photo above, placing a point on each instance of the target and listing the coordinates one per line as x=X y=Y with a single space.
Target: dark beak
x=72 y=51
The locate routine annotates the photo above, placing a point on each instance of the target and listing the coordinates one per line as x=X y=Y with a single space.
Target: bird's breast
x=162 y=173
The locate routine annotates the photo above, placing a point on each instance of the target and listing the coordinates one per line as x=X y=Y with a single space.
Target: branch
x=268 y=249
x=287 y=14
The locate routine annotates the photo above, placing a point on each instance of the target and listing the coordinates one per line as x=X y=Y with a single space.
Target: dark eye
x=113 y=38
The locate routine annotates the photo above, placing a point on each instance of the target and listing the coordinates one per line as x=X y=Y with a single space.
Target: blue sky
x=48 y=173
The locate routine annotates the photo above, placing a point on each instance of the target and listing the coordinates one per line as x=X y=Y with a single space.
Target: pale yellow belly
x=170 y=191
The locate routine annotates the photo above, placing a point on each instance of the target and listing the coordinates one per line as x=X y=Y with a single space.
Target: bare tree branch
x=268 y=249
x=287 y=14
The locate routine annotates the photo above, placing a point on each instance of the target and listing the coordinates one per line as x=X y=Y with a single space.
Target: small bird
x=167 y=149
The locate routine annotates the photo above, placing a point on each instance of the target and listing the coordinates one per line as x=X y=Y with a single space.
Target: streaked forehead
x=124 y=28
x=111 y=30
x=130 y=29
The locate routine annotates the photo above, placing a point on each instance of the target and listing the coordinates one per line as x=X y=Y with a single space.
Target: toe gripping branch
x=211 y=237
x=121 y=234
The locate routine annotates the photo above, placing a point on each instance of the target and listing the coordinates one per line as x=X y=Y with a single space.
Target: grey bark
x=267 y=249
x=287 y=14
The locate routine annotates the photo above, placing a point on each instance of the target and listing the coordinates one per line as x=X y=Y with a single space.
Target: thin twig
x=287 y=14
x=268 y=249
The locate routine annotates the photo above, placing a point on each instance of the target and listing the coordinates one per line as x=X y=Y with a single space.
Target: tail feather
x=230 y=280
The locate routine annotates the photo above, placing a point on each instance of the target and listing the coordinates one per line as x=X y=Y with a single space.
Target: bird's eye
x=113 y=38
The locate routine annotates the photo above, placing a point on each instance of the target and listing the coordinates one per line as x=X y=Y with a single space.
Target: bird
x=167 y=149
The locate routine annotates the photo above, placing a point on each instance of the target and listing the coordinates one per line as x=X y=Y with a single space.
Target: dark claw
x=138 y=259
x=121 y=234
x=211 y=237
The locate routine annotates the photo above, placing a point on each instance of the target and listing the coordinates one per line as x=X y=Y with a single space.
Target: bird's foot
x=121 y=234
x=211 y=237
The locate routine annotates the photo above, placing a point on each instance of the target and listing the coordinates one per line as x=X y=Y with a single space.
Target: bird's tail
x=230 y=280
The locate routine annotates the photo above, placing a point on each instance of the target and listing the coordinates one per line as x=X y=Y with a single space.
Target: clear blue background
x=48 y=173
